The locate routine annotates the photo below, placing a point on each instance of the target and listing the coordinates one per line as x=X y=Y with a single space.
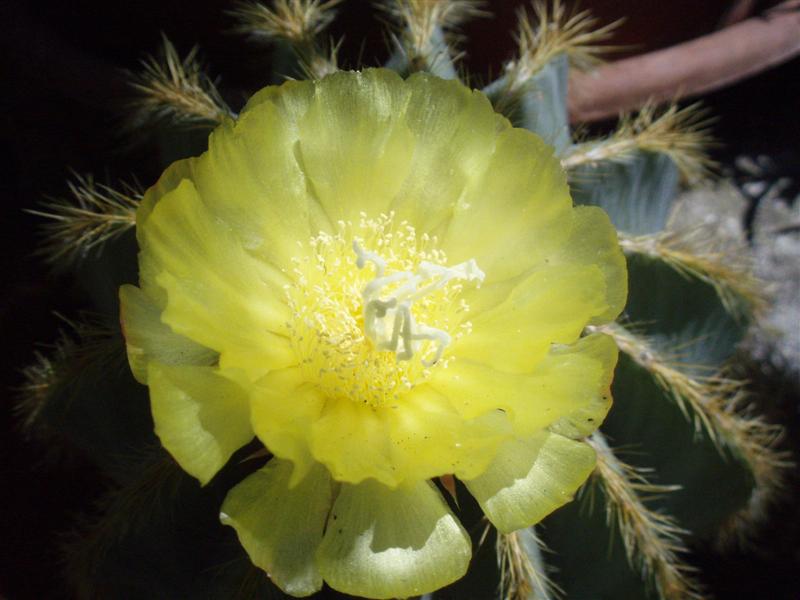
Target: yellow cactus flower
x=384 y=282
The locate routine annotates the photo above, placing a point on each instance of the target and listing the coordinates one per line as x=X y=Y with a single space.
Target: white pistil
x=403 y=335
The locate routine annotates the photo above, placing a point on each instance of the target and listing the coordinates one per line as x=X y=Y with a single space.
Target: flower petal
x=516 y=214
x=281 y=526
x=148 y=266
x=569 y=386
x=353 y=441
x=169 y=180
x=355 y=144
x=147 y=338
x=250 y=180
x=201 y=416
x=565 y=364
x=530 y=478
x=384 y=543
x=292 y=98
x=594 y=242
x=454 y=128
x=421 y=437
x=550 y=306
x=283 y=408
x=239 y=312
x=430 y=438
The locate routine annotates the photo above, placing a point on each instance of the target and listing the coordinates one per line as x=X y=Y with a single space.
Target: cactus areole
x=384 y=282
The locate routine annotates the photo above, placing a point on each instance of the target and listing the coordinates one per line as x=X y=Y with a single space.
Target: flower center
x=371 y=334
x=389 y=322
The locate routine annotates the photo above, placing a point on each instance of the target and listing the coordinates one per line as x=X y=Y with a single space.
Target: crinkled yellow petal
x=250 y=179
x=449 y=128
x=283 y=408
x=550 y=306
x=353 y=441
x=516 y=214
x=420 y=437
x=530 y=478
x=454 y=128
x=281 y=526
x=384 y=543
x=292 y=98
x=169 y=180
x=569 y=380
x=430 y=438
x=594 y=394
x=148 y=265
x=355 y=143
x=201 y=416
x=218 y=295
x=147 y=338
x=594 y=242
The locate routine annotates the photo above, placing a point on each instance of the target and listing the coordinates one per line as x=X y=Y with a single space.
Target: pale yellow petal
x=353 y=441
x=201 y=416
x=250 y=180
x=281 y=526
x=169 y=180
x=516 y=214
x=292 y=98
x=454 y=129
x=147 y=338
x=384 y=543
x=531 y=478
x=430 y=438
x=297 y=422
x=218 y=295
x=283 y=408
x=148 y=266
x=570 y=386
x=550 y=306
x=594 y=393
x=355 y=146
x=594 y=242
x=421 y=436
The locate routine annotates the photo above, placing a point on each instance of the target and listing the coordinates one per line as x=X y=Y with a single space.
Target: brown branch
x=702 y=65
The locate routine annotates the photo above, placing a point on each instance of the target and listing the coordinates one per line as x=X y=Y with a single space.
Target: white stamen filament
x=396 y=309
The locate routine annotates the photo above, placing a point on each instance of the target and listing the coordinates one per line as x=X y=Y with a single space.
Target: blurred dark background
x=62 y=93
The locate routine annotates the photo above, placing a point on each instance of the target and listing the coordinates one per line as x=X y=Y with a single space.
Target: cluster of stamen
x=374 y=309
